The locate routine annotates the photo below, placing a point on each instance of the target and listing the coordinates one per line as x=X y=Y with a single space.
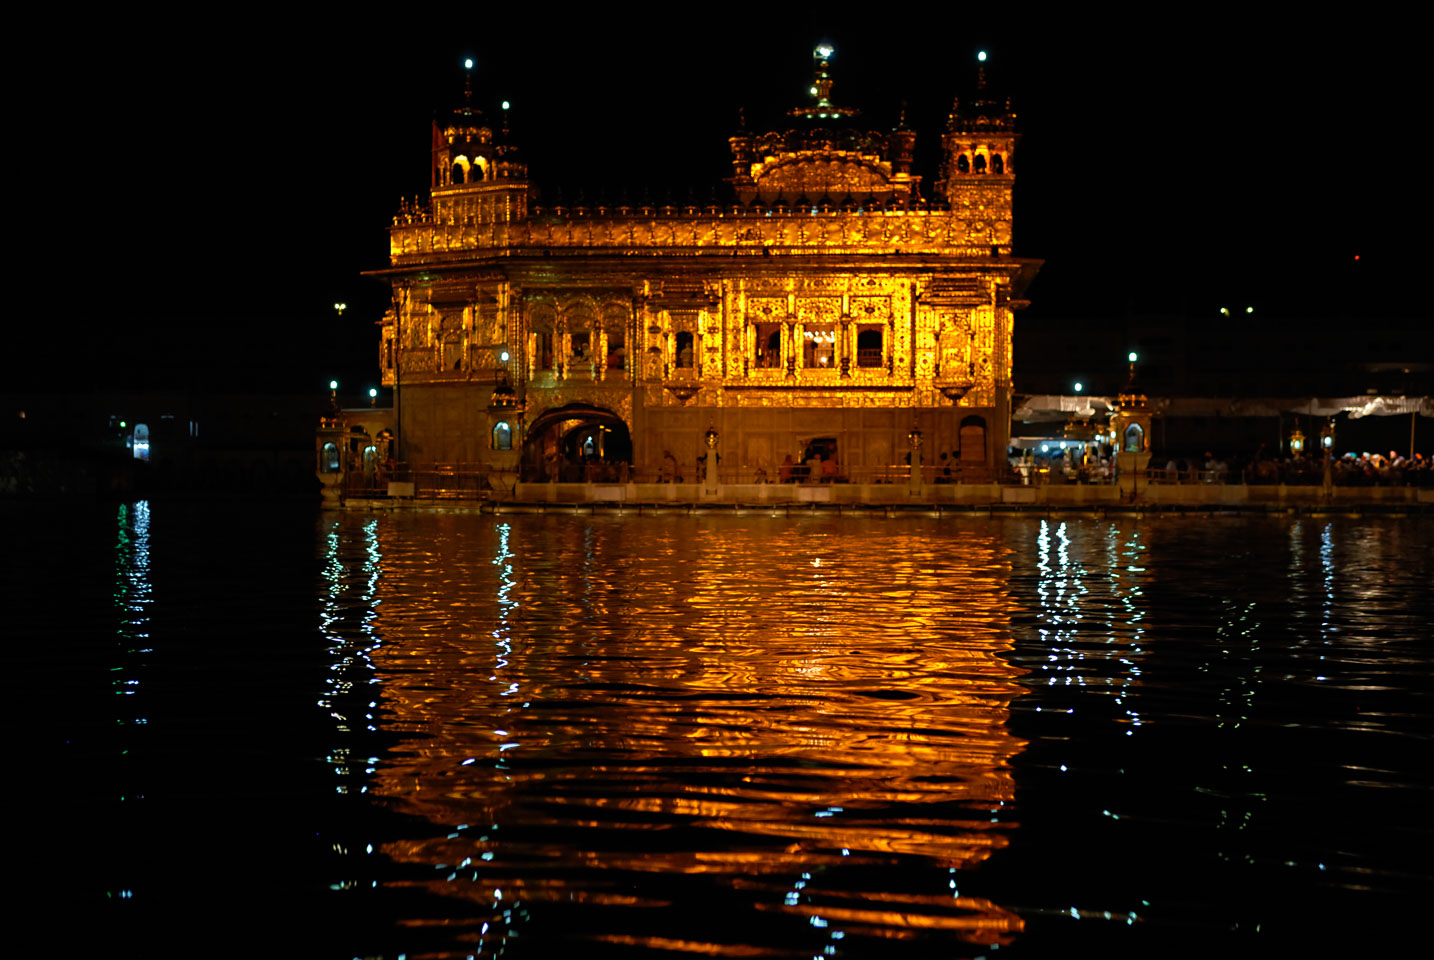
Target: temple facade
x=826 y=310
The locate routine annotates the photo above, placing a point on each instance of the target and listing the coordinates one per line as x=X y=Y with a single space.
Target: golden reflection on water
x=778 y=706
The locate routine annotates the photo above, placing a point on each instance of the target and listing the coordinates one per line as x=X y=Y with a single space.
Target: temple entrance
x=577 y=443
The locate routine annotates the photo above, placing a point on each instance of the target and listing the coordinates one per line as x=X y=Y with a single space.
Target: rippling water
x=456 y=735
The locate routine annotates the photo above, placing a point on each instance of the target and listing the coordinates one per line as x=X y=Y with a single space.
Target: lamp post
x=1326 y=444
x=914 y=478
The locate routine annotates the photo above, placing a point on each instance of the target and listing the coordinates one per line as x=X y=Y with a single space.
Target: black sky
x=224 y=188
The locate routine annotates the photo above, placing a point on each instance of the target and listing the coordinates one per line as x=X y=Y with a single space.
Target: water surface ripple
x=755 y=736
x=282 y=733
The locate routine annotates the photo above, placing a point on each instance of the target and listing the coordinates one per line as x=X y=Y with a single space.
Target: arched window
x=329 y=458
x=684 y=350
x=997 y=164
x=370 y=461
x=868 y=347
x=1134 y=439
x=502 y=436
x=457 y=173
x=980 y=163
x=962 y=164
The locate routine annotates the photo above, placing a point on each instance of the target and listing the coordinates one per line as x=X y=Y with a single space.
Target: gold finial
x=821 y=89
x=822 y=81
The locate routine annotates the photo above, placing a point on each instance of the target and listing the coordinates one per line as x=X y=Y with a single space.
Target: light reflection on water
x=795 y=737
x=611 y=705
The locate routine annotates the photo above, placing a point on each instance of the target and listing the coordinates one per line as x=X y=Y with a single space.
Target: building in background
x=828 y=308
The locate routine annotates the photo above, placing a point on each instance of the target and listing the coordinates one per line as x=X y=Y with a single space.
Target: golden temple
x=827 y=311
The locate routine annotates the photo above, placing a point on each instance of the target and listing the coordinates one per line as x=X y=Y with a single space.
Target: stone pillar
x=915 y=483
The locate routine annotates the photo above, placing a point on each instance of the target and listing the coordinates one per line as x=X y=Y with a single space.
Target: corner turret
x=977 y=165
x=476 y=175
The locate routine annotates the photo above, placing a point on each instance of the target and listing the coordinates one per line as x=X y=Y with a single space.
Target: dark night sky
x=228 y=188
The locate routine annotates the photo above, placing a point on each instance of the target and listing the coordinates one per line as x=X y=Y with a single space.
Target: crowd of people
x=1097 y=465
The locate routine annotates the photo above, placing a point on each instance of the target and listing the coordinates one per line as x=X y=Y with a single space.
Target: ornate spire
x=821 y=89
x=467 y=86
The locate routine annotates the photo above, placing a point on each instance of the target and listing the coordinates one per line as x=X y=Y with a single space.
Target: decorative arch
x=576 y=442
x=614 y=327
x=543 y=326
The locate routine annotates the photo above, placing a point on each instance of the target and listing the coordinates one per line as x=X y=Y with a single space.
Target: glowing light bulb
x=981 y=55
x=825 y=51
x=372 y=392
x=333 y=384
x=506 y=105
x=1079 y=386
x=1132 y=356
x=503 y=356
x=468 y=63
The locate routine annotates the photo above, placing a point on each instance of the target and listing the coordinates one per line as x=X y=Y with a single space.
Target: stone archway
x=576 y=443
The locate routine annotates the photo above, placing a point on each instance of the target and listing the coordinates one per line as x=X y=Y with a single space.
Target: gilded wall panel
x=868 y=309
x=766 y=309
x=818 y=309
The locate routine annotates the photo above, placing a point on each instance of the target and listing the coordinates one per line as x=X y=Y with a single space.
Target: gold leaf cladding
x=871 y=309
x=766 y=309
x=818 y=309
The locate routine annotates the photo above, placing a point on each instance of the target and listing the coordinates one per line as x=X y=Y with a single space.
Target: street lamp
x=340 y=307
x=372 y=396
x=1297 y=442
x=1079 y=386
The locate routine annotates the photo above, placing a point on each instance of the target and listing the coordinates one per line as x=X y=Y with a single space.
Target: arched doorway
x=576 y=443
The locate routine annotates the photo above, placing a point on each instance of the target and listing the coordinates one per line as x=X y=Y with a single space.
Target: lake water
x=287 y=733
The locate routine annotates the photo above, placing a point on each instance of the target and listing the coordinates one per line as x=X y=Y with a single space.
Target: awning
x=1050 y=407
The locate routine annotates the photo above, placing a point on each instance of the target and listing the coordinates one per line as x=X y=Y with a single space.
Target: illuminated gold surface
x=831 y=234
